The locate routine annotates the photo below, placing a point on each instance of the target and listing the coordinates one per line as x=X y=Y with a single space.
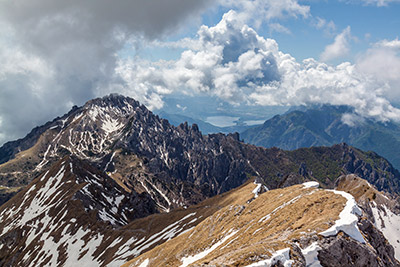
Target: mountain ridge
x=112 y=181
x=290 y=226
x=177 y=166
x=324 y=126
x=50 y=223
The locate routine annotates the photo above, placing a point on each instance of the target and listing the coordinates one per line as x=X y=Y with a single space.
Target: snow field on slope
x=389 y=224
x=347 y=219
x=191 y=259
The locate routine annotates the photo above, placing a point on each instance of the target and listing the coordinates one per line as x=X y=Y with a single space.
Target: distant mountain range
x=325 y=126
x=110 y=181
x=176 y=166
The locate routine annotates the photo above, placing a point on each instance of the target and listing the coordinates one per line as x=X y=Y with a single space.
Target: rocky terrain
x=66 y=218
x=324 y=126
x=74 y=214
x=176 y=166
x=300 y=225
x=111 y=183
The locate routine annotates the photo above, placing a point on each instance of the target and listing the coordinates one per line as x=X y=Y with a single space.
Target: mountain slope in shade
x=325 y=126
x=295 y=226
x=74 y=215
x=176 y=166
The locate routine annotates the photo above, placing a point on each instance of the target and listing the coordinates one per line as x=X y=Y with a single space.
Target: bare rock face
x=341 y=250
x=297 y=256
x=382 y=174
x=175 y=166
x=383 y=250
x=75 y=214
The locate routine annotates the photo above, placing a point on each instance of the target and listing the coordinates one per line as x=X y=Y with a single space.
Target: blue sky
x=243 y=54
x=369 y=24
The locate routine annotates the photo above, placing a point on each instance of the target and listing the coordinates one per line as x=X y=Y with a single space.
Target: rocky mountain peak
x=115 y=101
x=102 y=168
x=176 y=166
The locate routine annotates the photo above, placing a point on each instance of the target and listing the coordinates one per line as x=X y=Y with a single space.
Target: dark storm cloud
x=58 y=53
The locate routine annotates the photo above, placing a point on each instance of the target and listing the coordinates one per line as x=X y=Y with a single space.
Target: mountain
x=300 y=225
x=175 y=166
x=73 y=214
x=177 y=119
x=325 y=126
x=110 y=181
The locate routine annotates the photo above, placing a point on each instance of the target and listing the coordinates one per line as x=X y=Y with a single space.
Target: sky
x=257 y=53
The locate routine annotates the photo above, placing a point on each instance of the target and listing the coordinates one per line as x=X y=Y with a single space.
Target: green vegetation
x=323 y=126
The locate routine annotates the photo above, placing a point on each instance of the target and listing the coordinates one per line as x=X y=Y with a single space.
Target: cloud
x=393 y=44
x=58 y=53
x=255 y=12
x=322 y=24
x=352 y=119
x=382 y=63
x=379 y=3
x=226 y=60
x=339 y=48
x=317 y=83
x=277 y=27
x=232 y=62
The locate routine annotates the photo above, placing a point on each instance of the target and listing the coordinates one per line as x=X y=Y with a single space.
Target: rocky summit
x=111 y=183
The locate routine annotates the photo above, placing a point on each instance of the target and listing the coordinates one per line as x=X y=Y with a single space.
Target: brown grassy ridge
x=19 y=170
x=359 y=188
x=311 y=211
x=366 y=194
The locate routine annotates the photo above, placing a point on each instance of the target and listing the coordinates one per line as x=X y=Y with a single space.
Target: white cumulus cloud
x=391 y=44
x=339 y=48
x=382 y=63
x=231 y=61
x=259 y=11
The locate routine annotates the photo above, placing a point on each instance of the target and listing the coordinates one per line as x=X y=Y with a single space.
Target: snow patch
x=111 y=159
x=268 y=216
x=191 y=259
x=311 y=255
x=311 y=184
x=44 y=194
x=258 y=189
x=145 y=263
x=281 y=256
x=111 y=125
x=347 y=219
x=389 y=224
x=118 y=200
x=167 y=233
x=44 y=160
